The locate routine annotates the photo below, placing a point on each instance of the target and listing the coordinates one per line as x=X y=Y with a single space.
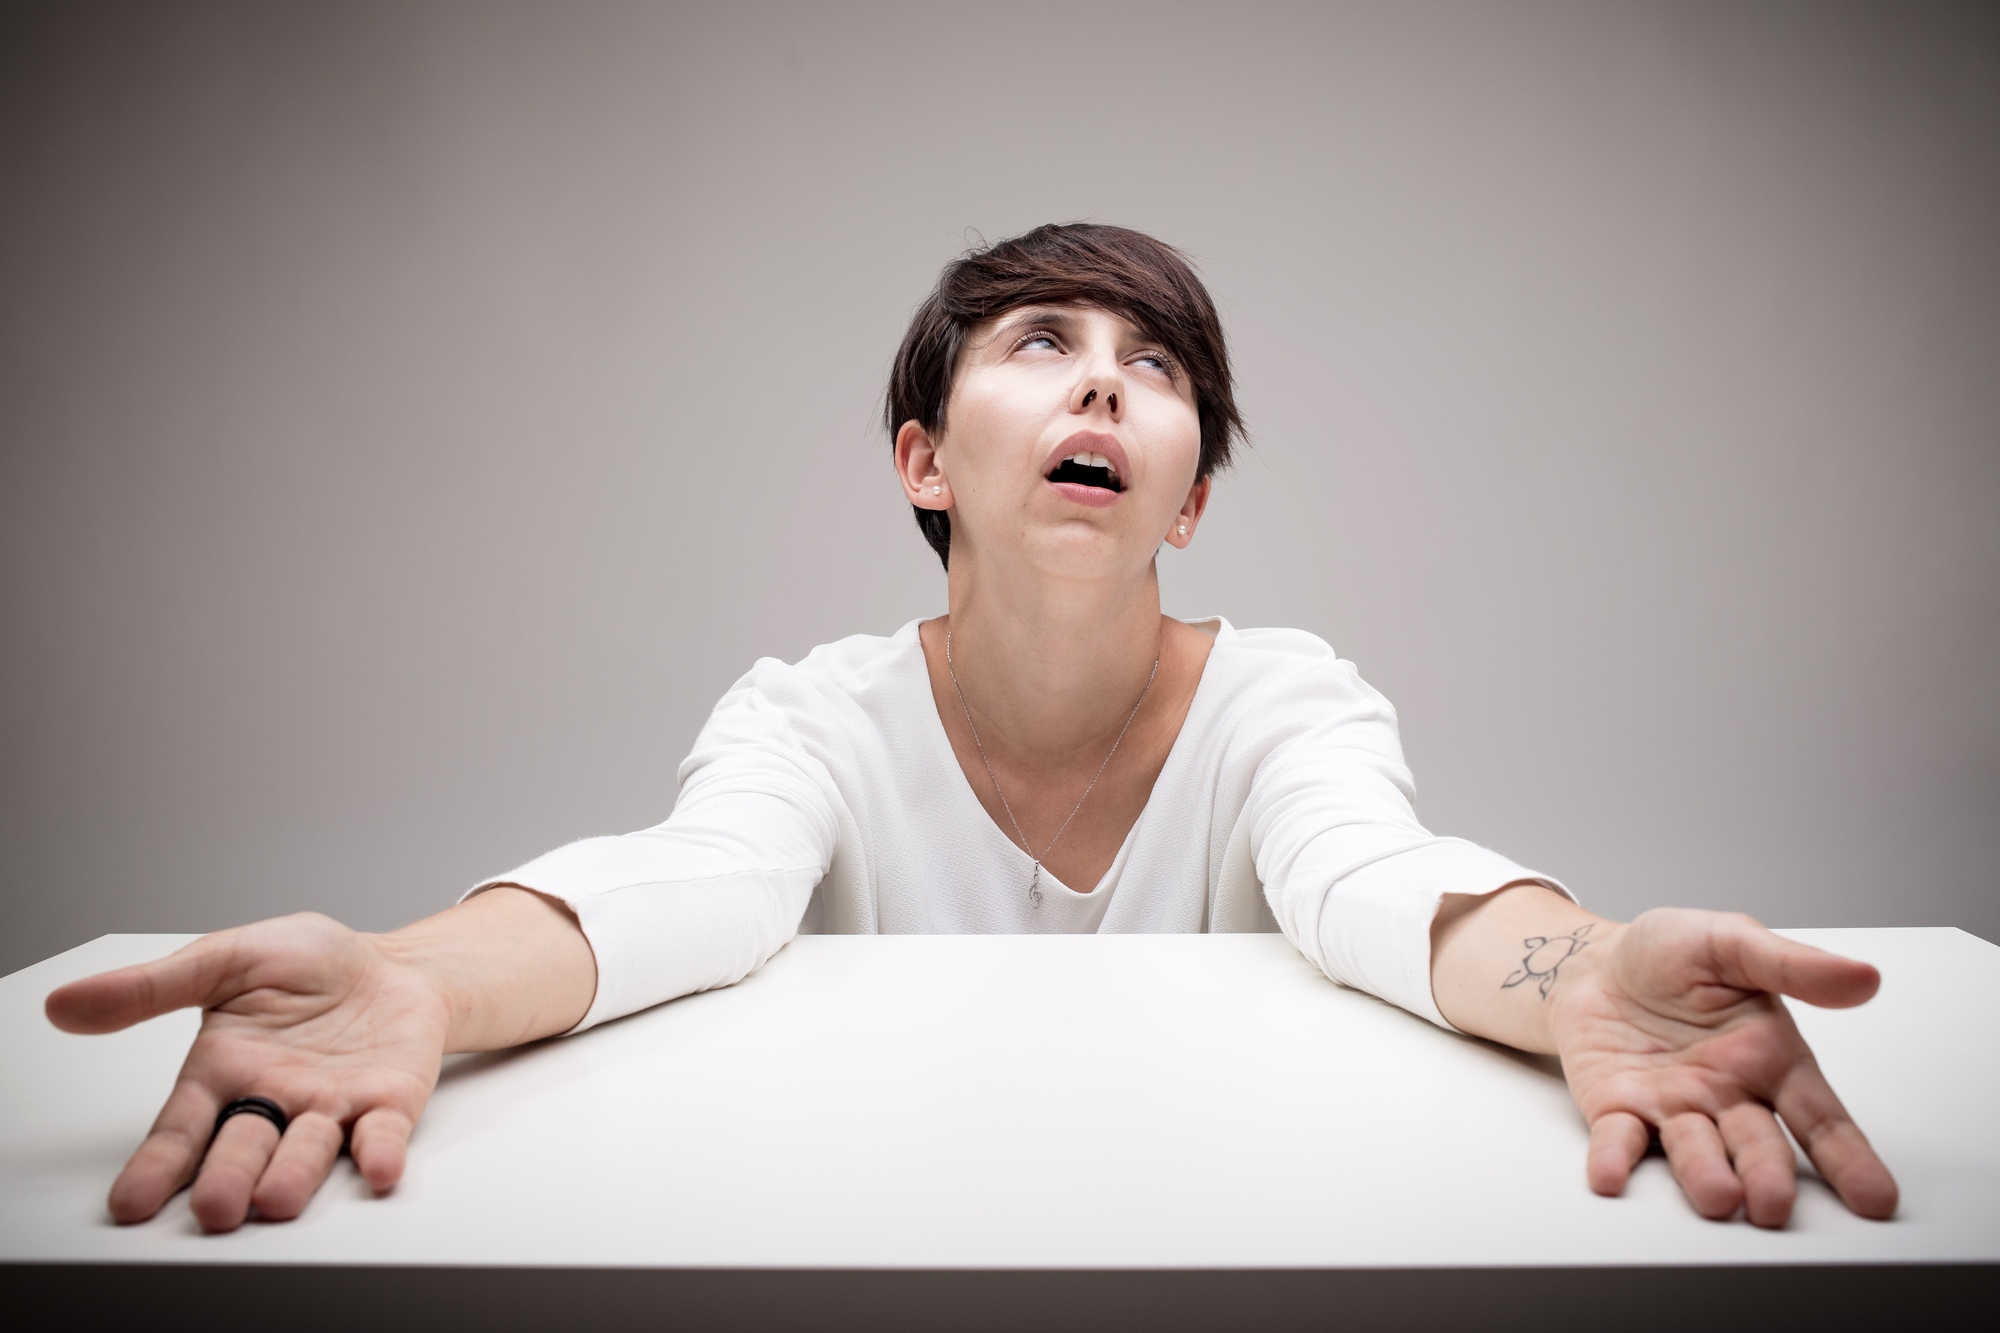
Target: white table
x=1009 y=1105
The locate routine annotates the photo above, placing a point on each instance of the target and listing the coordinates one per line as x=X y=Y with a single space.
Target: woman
x=1052 y=755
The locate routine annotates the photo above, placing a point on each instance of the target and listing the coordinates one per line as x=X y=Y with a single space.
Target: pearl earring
x=1183 y=529
x=939 y=490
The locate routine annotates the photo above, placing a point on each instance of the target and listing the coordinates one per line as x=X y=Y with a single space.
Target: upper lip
x=1092 y=442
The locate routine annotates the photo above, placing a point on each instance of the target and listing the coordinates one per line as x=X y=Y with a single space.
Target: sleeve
x=705 y=898
x=1352 y=877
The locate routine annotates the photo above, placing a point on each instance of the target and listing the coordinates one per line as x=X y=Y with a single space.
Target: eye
x=1040 y=338
x=1159 y=361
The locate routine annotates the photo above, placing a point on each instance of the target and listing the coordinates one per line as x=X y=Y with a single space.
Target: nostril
x=1090 y=398
x=1111 y=401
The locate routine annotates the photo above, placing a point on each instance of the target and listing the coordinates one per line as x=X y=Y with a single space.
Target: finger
x=1836 y=1145
x=1618 y=1139
x=381 y=1145
x=237 y=1157
x=305 y=1154
x=1701 y=1165
x=1762 y=1157
x=1752 y=958
x=191 y=977
x=167 y=1159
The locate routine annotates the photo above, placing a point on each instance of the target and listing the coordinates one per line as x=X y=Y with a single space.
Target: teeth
x=1092 y=460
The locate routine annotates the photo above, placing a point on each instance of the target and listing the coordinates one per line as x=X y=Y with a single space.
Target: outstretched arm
x=343 y=1030
x=1672 y=1024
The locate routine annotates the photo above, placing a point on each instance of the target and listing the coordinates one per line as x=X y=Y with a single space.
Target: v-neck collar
x=942 y=753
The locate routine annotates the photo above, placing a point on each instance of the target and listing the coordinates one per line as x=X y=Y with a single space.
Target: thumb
x=1752 y=958
x=198 y=975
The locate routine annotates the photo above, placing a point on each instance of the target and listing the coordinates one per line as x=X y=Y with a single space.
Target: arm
x=342 y=1029
x=345 y=1031
x=1672 y=1024
x=1489 y=981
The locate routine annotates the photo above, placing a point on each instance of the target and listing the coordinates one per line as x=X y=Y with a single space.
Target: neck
x=1051 y=667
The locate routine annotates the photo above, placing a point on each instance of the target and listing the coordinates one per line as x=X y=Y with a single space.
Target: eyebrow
x=1059 y=317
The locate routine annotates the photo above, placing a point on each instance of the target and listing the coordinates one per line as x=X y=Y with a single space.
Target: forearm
x=1498 y=960
x=509 y=965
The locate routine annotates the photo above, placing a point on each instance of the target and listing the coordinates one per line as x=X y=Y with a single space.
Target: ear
x=1190 y=515
x=917 y=466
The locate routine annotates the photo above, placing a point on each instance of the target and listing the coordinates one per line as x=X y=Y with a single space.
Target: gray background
x=415 y=415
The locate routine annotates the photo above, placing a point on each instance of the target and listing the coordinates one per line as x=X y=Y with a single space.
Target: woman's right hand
x=345 y=1031
x=301 y=1010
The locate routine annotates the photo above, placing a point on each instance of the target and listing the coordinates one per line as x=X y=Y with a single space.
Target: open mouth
x=1088 y=470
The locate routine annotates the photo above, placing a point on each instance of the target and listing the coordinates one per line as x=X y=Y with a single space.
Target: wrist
x=1502 y=964
x=1582 y=978
x=421 y=959
x=507 y=966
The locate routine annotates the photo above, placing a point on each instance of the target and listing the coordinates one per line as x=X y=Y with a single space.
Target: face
x=1070 y=443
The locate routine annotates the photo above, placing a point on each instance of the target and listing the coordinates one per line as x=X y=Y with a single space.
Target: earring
x=1183 y=529
x=939 y=490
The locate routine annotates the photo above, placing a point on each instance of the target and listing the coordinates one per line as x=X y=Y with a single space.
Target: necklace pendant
x=1035 y=880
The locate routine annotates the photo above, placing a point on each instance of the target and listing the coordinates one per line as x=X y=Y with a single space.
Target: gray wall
x=415 y=415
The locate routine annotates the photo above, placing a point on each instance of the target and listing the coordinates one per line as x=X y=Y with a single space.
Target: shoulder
x=1274 y=682
x=1273 y=646
x=838 y=709
x=1275 y=658
x=832 y=691
x=856 y=664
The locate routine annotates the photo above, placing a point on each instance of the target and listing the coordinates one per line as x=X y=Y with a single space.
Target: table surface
x=968 y=1102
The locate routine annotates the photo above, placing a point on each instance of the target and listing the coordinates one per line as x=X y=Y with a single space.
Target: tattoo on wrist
x=1546 y=955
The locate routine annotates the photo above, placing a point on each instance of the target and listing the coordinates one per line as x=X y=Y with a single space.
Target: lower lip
x=1091 y=497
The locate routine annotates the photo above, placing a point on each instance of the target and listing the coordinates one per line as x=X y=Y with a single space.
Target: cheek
x=993 y=428
x=1179 y=434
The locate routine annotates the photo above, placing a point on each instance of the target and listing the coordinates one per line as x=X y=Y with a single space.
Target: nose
x=1095 y=386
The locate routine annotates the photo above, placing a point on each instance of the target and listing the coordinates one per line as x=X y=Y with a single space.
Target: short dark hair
x=1126 y=272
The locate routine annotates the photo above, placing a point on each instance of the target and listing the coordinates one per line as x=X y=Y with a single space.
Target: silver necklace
x=1035 y=884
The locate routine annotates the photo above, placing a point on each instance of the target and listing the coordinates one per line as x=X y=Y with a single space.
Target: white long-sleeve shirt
x=824 y=796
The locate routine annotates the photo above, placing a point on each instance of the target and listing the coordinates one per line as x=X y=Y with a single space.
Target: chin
x=1079 y=549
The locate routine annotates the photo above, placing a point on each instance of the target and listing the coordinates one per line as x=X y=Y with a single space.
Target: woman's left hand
x=1674 y=1025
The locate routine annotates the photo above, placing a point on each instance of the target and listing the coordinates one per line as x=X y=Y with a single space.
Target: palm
x=331 y=1034
x=302 y=1011
x=1680 y=1027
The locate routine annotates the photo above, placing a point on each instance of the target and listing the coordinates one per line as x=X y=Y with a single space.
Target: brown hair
x=1080 y=263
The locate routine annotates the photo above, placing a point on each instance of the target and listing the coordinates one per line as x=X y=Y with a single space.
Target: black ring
x=263 y=1106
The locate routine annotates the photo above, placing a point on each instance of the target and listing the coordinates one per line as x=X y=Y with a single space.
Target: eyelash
x=1168 y=366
